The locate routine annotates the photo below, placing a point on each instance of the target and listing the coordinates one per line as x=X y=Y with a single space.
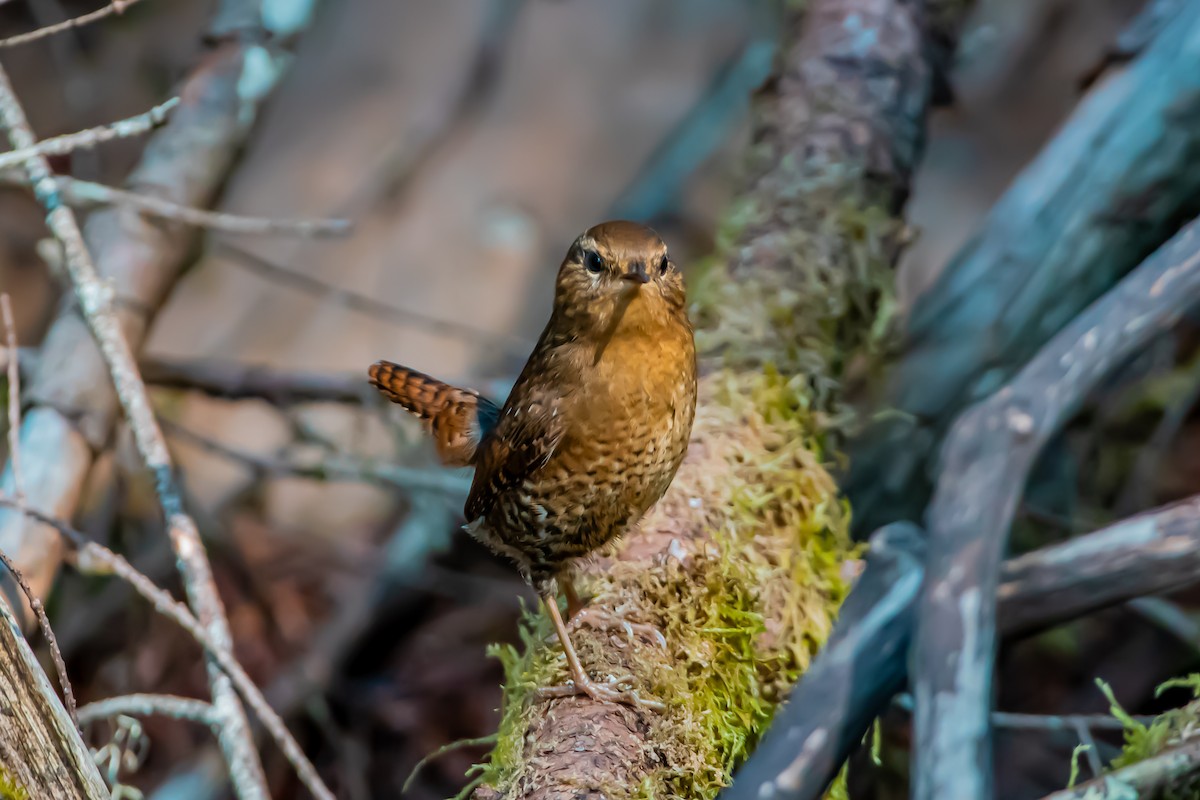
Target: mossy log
x=744 y=562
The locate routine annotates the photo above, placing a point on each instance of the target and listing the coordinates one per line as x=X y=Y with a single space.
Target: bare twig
x=232 y=380
x=94 y=296
x=44 y=623
x=78 y=192
x=1138 y=488
x=72 y=407
x=14 y=395
x=115 y=7
x=1045 y=722
x=235 y=381
x=147 y=705
x=59 y=145
x=283 y=276
x=335 y=468
x=95 y=559
x=988 y=454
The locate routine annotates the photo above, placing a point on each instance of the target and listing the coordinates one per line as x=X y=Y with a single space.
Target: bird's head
x=619 y=275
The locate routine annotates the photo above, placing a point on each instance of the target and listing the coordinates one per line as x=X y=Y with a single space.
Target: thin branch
x=234 y=381
x=148 y=705
x=78 y=192
x=14 y=395
x=94 y=296
x=1044 y=722
x=1138 y=488
x=1084 y=733
x=60 y=145
x=283 y=276
x=1149 y=553
x=94 y=559
x=988 y=455
x=44 y=623
x=334 y=468
x=115 y=7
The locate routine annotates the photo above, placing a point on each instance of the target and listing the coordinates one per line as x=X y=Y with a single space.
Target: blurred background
x=470 y=141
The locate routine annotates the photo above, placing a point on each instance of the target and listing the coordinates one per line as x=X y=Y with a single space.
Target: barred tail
x=457 y=418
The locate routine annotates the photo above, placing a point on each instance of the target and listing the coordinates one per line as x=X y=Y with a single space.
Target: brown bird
x=593 y=430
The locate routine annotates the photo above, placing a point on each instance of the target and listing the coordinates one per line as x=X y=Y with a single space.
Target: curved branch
x=854 y=677
x=987 y=458
x=1113 y=184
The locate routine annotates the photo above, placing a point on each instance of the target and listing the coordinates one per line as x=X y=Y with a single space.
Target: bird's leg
x=604 y=620
x=574 y=604
x=580 y=682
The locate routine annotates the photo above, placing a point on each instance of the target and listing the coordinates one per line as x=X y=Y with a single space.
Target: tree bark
x=41 y=752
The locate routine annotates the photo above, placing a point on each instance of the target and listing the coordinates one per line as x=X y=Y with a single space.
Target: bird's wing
x=459 y=419
x=528 y=432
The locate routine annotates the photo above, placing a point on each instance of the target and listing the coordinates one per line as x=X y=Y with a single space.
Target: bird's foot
x=604 y=620
x=609 y=692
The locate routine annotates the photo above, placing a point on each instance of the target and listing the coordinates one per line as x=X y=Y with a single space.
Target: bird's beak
x=636 y=275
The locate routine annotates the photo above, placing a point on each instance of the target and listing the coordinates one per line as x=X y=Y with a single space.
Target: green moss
x=742 y=616
x=1167 y=730
x=818 y=296
x=9 y=789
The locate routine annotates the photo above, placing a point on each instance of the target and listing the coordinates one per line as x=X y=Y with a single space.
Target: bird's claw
x=609 y=621
x=601 y=693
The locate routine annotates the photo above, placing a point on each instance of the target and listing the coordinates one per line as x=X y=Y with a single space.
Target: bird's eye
x=664 y=265
x=593 y=262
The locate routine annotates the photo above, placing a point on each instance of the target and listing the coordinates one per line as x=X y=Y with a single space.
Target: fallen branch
x=986 y=461
x=1113 y=184
x=857 y=672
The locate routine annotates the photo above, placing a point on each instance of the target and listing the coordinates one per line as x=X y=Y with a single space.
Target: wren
x=594 y=429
